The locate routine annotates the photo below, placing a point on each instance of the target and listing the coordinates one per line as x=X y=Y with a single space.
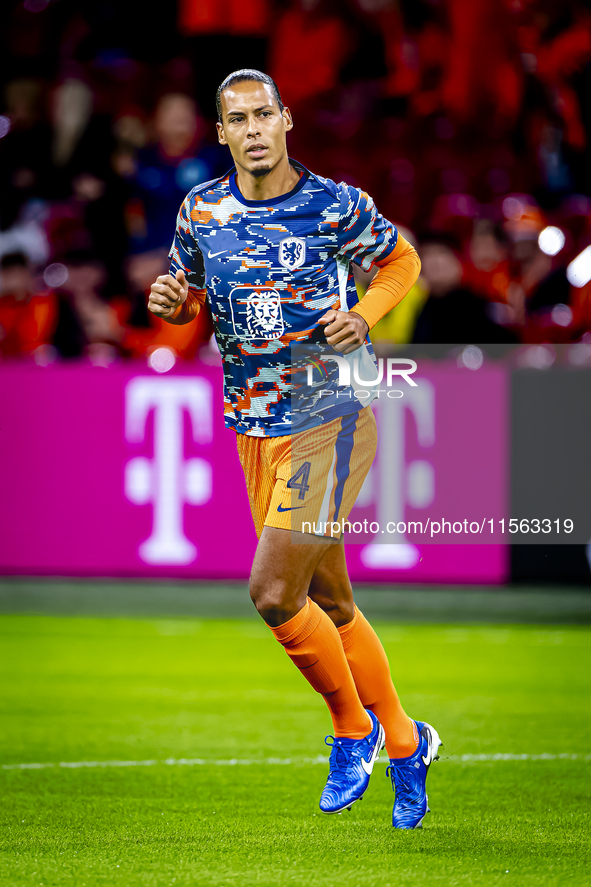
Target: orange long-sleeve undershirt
x=396 y=276
x=190 y=308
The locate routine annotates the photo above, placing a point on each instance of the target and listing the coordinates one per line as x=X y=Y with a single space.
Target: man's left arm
x=397 y=274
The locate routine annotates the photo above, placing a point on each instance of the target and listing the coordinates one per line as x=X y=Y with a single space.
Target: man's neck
x=280 y=180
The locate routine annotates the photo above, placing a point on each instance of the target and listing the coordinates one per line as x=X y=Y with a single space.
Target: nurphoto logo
x=387 y=369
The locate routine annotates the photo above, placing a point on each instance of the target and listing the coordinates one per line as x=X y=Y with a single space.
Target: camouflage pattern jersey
x=271 y=269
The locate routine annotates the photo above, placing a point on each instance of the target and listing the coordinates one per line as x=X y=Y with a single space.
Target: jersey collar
x=275 y=200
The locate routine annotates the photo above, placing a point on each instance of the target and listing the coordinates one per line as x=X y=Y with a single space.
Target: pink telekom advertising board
x=125 y=472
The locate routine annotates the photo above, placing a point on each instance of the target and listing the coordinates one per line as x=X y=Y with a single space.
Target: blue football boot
x=409 y=776
x=351 y=763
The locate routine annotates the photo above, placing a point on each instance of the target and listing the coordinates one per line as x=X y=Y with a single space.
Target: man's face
x=253 y=127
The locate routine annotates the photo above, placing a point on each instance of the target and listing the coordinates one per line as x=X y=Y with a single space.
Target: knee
x=275 y=602
x=341 y=612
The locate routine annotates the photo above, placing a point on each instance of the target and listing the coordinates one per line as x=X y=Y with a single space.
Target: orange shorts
x=308 y=482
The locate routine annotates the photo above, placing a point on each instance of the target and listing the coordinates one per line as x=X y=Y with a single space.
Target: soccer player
x=269 y=246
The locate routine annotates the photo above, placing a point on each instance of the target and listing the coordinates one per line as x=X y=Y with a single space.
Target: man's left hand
x=345 y=330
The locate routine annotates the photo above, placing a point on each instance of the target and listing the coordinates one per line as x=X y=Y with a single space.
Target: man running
x=270 y=246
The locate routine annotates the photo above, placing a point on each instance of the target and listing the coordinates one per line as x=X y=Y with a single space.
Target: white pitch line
x=467 y=759
x=272 y=762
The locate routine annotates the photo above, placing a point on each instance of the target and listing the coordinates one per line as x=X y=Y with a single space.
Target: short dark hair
x=239 y=77
x=14 y=260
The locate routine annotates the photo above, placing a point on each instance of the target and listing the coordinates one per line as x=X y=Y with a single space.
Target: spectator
x=86 y=211
x=166 y=170
x=143 y=331
x=487 y=270
x=439 y=109
x=452 y=313
x=223 y=37
x=85 y=319
x=529 y=265
x=310 y=45
x=25 y=162
x=27 y=318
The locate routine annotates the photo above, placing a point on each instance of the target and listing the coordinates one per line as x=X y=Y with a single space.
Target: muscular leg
x=331 y=589
x=279 y=583
x=281 y=573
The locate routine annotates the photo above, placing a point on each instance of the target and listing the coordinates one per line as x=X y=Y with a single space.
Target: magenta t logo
x=168 y=481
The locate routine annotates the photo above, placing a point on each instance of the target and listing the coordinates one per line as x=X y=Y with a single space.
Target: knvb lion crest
x=263 y=314
x=257 y=314
x=292 y=252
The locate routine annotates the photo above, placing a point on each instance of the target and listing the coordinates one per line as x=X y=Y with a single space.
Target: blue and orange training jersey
x=271 y=269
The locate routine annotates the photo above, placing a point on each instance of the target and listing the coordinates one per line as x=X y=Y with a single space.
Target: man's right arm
x=173 y=301
x=178 y=297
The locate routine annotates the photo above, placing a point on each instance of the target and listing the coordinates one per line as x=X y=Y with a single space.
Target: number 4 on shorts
x=300 y=480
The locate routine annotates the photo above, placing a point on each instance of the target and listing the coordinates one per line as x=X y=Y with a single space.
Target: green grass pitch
x=153 y=689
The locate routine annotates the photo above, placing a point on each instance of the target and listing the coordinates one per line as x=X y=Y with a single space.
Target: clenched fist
x=345 y=331
x=167 y=294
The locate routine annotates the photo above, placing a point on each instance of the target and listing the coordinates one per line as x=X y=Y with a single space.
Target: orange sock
x=369 y=666
x=312 y=642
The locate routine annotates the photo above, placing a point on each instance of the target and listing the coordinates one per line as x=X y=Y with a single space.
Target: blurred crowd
x=468 y=121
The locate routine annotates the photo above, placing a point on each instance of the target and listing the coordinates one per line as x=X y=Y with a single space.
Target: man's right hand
x=168 y=293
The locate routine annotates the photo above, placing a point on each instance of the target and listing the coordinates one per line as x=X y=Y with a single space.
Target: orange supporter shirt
x=24 y=325
x=185 y=340
x=491 y=285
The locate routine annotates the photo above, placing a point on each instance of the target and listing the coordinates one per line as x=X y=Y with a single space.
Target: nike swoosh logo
x=367 y=766
x=211 y=255
x=293 y=508
x=429 y=759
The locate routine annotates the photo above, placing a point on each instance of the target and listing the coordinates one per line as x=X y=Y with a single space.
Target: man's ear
x=286 y=114
x=221 y=136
